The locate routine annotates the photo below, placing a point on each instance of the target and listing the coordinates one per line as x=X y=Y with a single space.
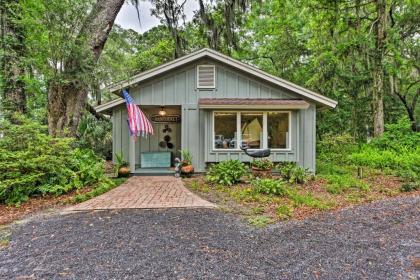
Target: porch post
x=132 y=154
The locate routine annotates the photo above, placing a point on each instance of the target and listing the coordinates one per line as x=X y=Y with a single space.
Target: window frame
x=265 y=130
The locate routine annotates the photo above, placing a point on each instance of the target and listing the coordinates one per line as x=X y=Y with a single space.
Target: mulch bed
x=34 y=205
x=382 y=187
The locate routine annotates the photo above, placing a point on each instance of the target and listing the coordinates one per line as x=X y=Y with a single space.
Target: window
x=206 y=76
x=257 y=130
x=277 y=130
x=252 y=130
x=225 y=130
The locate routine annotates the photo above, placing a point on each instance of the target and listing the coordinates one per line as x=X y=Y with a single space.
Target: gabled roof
x=203 y=53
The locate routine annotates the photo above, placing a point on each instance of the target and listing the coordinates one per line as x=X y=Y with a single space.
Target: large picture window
x=277 y=130
x=225 y=130
x=252 y=130
x=257 y=130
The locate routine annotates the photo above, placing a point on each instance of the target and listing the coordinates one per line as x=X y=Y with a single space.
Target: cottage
x=211 y=104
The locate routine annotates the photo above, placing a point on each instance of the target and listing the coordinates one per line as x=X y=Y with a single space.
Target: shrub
x=226 y=172
x=285 y=169
x=293 y=173
x=410 y=186
x=264 y=164
x=397 y=149
x=269 y=186
x=34 y=163
x=298 y=175
x=398 y=137
x=96 y=135
x=335 y=148
x=407 y=161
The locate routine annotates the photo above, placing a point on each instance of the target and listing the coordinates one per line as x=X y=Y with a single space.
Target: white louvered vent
x=206 y=76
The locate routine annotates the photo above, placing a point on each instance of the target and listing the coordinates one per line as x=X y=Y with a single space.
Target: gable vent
x=206 y=76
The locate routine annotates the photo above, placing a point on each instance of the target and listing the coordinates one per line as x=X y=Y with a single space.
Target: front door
x=166 y=138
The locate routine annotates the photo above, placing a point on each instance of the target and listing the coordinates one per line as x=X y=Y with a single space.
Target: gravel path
x=374 y=241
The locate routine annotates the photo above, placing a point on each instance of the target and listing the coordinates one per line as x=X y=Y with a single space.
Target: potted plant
x=262 y=168
x=186 y=164
x=122 y=168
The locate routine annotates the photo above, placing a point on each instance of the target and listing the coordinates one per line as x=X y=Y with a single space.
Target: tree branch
x=97 y=115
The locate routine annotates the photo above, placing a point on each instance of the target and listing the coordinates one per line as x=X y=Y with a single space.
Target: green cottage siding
x=179 y=88
x=176 y=89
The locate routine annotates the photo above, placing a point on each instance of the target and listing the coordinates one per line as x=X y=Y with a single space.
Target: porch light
x=162 y=111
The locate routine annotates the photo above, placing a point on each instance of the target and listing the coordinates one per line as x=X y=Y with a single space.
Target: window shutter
x=206 y=76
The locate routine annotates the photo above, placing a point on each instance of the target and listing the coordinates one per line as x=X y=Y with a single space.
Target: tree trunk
x=12 y=64
x=66 y=103
x=377 y=71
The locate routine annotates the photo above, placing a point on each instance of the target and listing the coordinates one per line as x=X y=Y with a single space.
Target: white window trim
x=265 y=131
x=197 y=76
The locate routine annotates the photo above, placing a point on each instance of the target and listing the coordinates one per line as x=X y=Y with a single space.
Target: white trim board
x=106 y=106
x=316 y=97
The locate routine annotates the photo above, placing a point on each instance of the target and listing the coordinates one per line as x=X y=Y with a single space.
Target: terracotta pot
x=187 y=170
x=124 y=171
x=261 y=173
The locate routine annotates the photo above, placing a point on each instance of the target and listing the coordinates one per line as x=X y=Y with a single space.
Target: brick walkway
x=146 y=192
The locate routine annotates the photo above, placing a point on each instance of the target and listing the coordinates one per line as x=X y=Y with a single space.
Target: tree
x=67 y=101
x=377 y=67
x=170 y=12
x=12 y=60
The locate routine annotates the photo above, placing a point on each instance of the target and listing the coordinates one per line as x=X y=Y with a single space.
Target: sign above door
x=166 y=119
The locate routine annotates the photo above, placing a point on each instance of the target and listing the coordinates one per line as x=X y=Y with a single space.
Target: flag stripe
x=138 y=123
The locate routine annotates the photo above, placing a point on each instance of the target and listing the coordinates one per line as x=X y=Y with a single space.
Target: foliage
x=269 y=186
x=226 y=172
x=397 y=137
x=292 y=172
x=119 y=162
x=186 y=157
x=397 y=150
x=299 y=175
x=38 y=164
x=340 y=183
x=336 y=148
x=263 y=164
x=410 y=186
x=96 y=135
x=100 y=188
x=307 y=199
x=284 y=211
x=285 y=169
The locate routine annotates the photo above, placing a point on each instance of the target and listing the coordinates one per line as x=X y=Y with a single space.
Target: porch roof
x=252 y=103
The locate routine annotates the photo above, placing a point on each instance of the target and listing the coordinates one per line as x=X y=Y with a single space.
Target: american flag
x=138 y=123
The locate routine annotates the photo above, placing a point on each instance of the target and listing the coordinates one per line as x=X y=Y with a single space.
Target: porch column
x=132 y=154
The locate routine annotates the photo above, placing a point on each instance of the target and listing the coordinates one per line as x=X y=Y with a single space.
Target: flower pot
x=123 y=171
x=261 y=173
x=187 y=170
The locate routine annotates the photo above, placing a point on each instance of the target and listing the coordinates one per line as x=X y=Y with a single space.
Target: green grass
x=197 y=186
x=260 y=221
x=284 y=212
x=307 y=199
x=338 y=184
x=5 y=234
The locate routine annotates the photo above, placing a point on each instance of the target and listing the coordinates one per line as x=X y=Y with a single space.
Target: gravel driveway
x=374 y=241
